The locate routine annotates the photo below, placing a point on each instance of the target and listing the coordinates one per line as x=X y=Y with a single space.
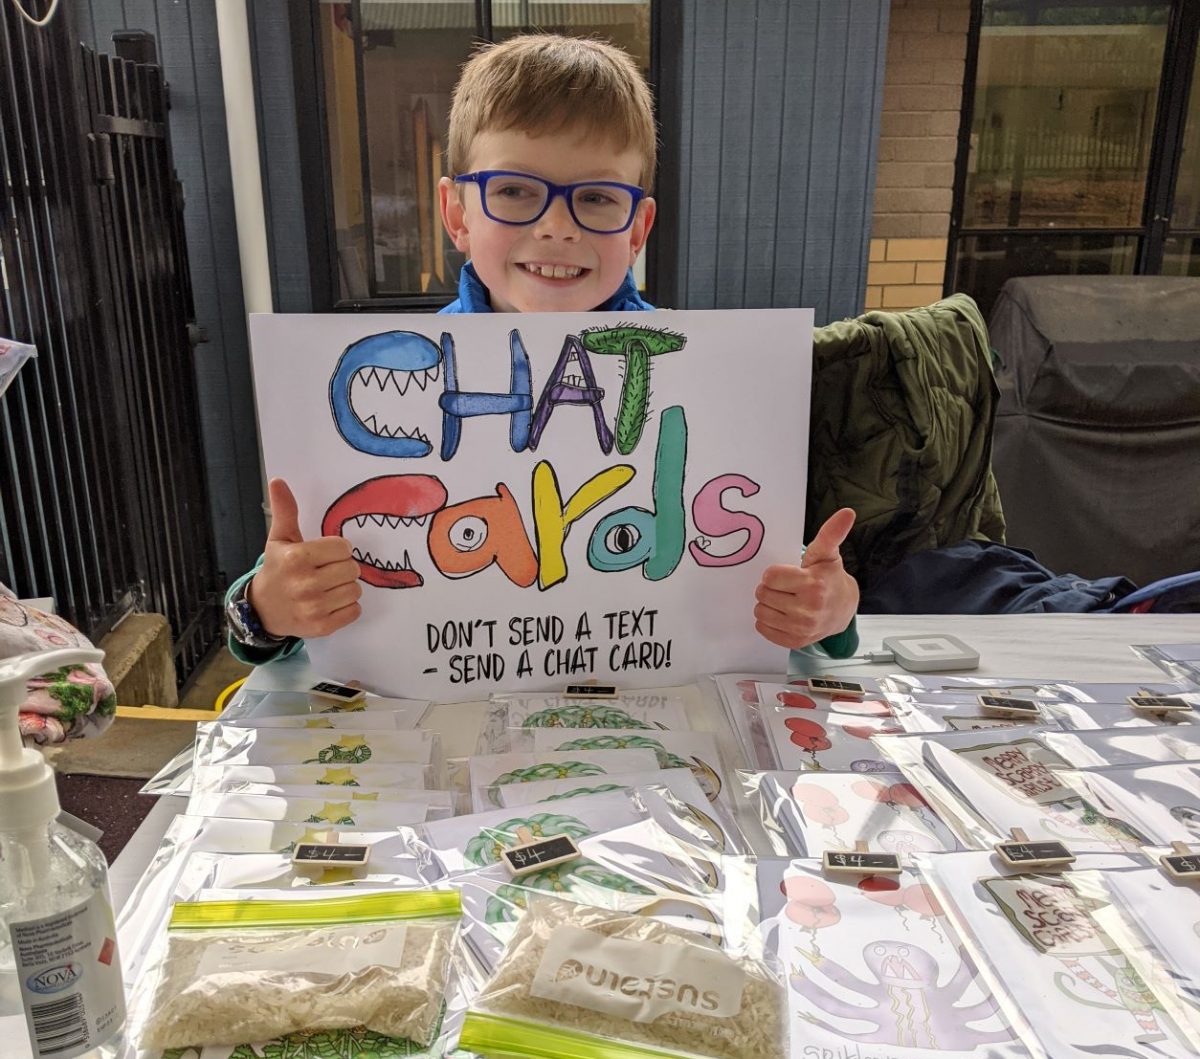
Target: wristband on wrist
x=244 y=622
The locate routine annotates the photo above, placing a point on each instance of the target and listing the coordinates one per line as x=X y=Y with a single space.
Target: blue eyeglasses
x=605 y=207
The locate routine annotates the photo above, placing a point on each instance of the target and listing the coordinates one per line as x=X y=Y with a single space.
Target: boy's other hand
x=799 y=605
x=304 y=588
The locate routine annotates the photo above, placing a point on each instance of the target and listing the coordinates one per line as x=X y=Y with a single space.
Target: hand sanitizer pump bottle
x=58 y=947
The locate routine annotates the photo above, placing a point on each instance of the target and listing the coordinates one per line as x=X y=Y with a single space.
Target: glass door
x=1067 y=152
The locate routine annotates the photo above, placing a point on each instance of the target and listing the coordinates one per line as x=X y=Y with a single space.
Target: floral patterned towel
x=68 y=703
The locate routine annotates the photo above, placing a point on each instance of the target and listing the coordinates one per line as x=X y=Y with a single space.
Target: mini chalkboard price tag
x=330 y=855
x=538 y=854
x=1149 y=703
x=343 y=693
x=861 y=861
x=836 y=687
x=1022 y=853
x=1181 y=863
x=1009 y=706
x=590 y=690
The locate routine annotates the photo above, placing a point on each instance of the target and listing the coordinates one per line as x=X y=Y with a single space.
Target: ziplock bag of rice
x=576 y=980
x=235 y=971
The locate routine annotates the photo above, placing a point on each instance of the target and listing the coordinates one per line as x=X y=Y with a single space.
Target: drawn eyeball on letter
x=468 y=533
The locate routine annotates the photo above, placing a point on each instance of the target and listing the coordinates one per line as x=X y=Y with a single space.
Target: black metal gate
x=103 y=500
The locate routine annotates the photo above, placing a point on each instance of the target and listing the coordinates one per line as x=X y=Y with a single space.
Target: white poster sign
x=540 y=499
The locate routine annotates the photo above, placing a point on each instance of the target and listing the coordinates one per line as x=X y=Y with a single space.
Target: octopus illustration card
x=697 y=751
x=1069 y=983
x=488 y=772
x=1119 y=746
x=806 y=815
x=875 y=968
x=821 y=741
x=985 y=784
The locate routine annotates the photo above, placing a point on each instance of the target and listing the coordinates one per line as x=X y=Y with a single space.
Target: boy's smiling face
x=513 y=260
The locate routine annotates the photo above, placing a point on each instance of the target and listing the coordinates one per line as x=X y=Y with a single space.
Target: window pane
x=1187 y=189
x=390 y=238
x=986 y=261
x=627 y=25
x=1065 y=102
x=1181 y=256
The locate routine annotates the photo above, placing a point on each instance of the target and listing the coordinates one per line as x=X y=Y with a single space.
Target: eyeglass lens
x=596 y=206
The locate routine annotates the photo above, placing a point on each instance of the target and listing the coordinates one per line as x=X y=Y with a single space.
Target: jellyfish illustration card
x=1160 y=800
x=875 y=968
x=697 y=751
x=489 y=772
x=984 y=784
x=1047 y=942
x=809 y=813
x=1121 y=746
x=824 y=741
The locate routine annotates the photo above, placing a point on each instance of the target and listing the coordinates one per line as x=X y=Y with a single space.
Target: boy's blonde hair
x=540 y=83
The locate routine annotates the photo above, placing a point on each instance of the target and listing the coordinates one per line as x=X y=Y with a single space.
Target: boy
x=552 y=147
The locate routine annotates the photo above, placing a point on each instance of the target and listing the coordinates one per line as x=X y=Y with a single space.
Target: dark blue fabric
x=473 y=296
x=980 y=577
x=1170 y=595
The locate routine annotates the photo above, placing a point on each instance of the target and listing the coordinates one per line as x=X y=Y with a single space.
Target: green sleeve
x=257 y=656
x=840 y=645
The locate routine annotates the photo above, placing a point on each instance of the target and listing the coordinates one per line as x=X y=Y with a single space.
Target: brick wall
x=922 y=106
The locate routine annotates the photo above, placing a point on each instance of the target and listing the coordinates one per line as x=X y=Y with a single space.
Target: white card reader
x=933 y=652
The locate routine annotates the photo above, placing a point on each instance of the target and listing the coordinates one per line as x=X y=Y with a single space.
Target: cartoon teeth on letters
x=384 y=394
x=392 y=502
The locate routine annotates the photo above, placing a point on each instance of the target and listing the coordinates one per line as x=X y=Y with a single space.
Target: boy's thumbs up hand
x=799 y=605
x=304 y=588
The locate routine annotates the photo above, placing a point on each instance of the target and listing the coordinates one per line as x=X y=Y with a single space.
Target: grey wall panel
x=778 y=118
x=187 y=44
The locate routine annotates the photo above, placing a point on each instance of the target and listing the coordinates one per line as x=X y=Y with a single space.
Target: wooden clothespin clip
x=1159 y=705
x=860 y=860
x=538 y=854
x=590 y=689
x=830 y=686
x=1181 y=863
x=1022 y=853
x=1009 y=706
x=343 y=694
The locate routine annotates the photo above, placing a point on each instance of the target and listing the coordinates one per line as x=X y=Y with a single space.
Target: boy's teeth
x=555 y=271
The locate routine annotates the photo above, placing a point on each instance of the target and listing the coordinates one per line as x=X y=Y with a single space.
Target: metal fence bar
x=103 y=499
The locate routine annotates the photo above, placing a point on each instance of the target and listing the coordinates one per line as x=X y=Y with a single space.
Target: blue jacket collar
x=473 y=296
